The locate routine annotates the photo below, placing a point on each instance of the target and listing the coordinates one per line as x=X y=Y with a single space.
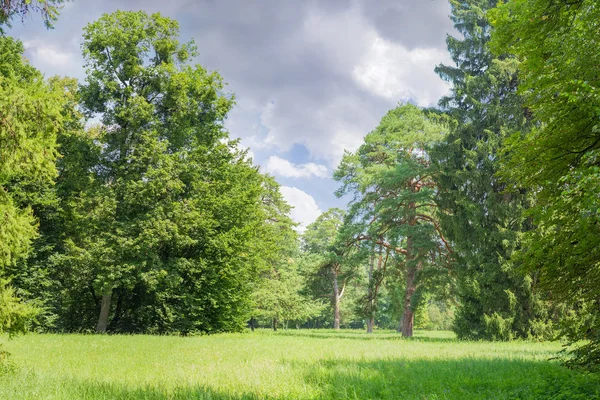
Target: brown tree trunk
x=407 y=323
x=104 y=311
x=336 y=301
x=275 y=324
x=252 y=324
x=408 y=315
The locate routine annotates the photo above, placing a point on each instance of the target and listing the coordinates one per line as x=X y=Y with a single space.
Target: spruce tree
x=482 y=220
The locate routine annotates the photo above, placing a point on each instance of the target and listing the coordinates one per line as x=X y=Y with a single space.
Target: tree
x=31 y=119
x=556 y=43
x=321 y=239
x=48 y=9
x=160 y=209
x=483 y=221
x=278 y=294
x=393 y=209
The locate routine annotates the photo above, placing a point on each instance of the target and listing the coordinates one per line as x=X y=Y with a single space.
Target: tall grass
x=287 y=365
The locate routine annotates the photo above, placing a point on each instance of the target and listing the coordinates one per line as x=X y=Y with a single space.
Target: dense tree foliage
x=557 y=44
x=391 y=179
x=483 y=221
x=31 y=120
x=334 y=264
x=162 y=224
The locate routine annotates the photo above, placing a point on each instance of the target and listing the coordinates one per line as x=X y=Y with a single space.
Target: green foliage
x=31 y=112
x=483 y=221
x=48 y=9
x=32 y=117
x=278 y=296
x=160 y=216
x=392 y=182
x=15 y=316
x=556 y=43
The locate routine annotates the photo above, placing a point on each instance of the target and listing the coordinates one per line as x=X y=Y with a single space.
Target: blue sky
x=310 y=78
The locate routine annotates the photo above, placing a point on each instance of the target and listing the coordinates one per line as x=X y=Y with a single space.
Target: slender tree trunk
x=104 y=311
x=275 y=324
x=336 y=300
x=370 y=293
x=408 y=314
x=252 y=324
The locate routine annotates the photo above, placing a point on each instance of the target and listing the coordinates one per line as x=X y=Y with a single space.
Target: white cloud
x=391 y=71
x=282 y=167
x=363 y=75
x=49 y=55
x=305 y=209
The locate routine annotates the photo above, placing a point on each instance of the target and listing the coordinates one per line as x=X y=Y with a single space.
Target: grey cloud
x=290 y=63
x=414 y=23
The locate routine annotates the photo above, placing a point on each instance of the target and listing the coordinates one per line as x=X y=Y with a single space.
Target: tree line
x=127 y=207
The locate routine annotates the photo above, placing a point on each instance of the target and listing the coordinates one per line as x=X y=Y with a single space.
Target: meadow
x=289 y=364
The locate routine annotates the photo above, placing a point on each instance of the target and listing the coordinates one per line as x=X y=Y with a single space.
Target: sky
x=310 y=78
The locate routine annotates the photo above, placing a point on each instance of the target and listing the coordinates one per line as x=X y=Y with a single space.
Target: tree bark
x=275 y=324
x=336 y=301
x=104 y=311
x=370 y=324
x=408 y=315
x=252 y=324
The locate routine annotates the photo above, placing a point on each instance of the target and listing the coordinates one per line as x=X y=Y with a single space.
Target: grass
x=287 y=365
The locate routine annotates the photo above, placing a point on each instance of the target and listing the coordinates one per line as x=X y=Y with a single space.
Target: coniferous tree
x=393 y=184
x=482 y=220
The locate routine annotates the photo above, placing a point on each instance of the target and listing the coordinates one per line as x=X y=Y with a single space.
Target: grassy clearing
x=287 y=365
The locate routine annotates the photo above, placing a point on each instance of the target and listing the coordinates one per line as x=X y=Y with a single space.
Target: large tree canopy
x=392 y=182
x=482 y=220
x=162 y=224
x=557 y=43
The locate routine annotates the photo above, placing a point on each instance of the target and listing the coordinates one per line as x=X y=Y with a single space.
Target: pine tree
x=392 y=181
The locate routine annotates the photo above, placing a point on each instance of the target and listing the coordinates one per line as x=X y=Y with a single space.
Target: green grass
x=287 y=365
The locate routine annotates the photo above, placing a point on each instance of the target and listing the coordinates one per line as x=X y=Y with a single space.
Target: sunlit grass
x=304 y=364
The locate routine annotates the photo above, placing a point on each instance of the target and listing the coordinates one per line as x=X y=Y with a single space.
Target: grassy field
x=287 y=365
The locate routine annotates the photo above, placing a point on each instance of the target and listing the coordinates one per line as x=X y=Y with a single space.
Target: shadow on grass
x=351 y=379
x=365 y=336
x=91 y=390
x=450 y=379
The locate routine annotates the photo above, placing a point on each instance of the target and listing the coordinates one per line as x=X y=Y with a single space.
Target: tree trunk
x=104 y=311
x=275 y=324
x=252 y=324
x=118 y=311
x=336 y=301
x=408 y=314
x=370 y=293
x=370 y=324
x=407 y=323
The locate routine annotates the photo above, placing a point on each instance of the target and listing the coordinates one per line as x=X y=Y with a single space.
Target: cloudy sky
x=310 y=78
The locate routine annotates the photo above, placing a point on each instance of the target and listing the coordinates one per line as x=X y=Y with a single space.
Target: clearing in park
x=293 y=364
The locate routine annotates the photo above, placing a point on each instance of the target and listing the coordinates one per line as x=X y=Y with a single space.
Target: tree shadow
x=397 y=378
x=393 y=379
x=365 y=336
x=93 y=390
x=466 y=378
